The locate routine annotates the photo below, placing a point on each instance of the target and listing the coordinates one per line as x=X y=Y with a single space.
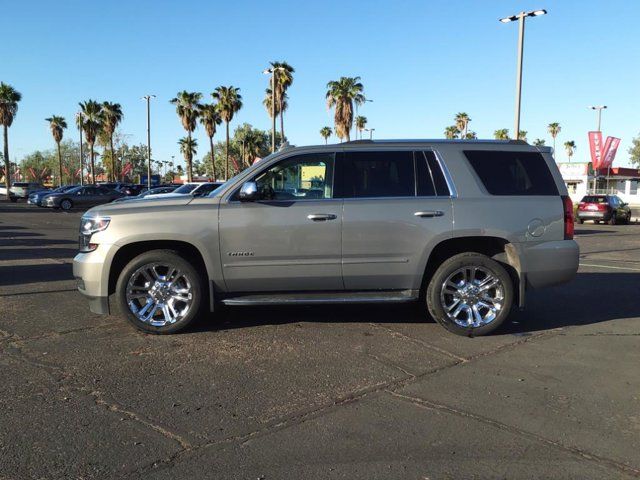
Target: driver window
x=307 y=176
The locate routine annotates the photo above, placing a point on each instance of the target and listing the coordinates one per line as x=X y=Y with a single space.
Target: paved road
x=332 y=392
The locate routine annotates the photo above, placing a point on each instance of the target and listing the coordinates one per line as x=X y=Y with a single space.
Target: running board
x=310 y=298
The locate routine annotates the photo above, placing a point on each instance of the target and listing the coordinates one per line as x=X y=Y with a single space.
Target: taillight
x=582 y=206
x=602 y=207
x=568 y=217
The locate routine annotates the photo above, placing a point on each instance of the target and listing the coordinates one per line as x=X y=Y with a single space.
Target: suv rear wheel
x=160 y=292
x=470 y=294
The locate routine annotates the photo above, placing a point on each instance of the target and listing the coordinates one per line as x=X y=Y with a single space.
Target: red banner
x=44 y=170
x=78 y=172
x=235 y=164
x=33 y=174
x=127 y=168
x=609 y=152
x=595 y=145
x=65 y=170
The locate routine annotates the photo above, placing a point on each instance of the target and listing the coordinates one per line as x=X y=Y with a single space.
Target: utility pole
x=79 y=117
x=521 y=18
x=148 y=99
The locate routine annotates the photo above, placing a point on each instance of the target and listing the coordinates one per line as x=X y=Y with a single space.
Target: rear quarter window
x=512 y=173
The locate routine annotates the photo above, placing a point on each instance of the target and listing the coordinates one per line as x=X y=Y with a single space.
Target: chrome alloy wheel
x=159 y=294
x=472 y=296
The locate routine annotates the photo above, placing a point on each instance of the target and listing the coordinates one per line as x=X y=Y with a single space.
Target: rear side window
x=512 y=173
x=430 y=180
x=378 y=174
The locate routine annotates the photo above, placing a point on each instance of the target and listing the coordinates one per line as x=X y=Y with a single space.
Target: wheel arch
x=498 y=248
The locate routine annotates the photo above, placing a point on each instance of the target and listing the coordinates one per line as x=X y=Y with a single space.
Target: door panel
x=384 y=241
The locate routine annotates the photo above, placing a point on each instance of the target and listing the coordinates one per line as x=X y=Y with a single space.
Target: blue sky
x=420 y=62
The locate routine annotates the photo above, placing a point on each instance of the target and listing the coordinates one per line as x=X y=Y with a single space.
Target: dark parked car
x=603 y=208
x=37 y=197
x=149 y=193
x=131 y=190
x=87 y=196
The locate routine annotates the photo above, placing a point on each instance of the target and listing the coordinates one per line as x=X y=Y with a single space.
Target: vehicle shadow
x=566 y=305
x=39 y=273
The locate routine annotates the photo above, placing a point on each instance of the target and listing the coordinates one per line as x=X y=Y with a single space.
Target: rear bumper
x=589 y=215
x=551 y=263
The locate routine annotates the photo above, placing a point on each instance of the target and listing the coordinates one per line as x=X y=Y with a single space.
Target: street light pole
x=521 y=18
x=148 y=99
x=370 y=130
x=599 y=108
x=79 y=117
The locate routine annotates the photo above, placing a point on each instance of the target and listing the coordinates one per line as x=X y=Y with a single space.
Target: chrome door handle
x=429 y=213
x=321 y=217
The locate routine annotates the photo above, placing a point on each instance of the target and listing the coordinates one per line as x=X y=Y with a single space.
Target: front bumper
x=551 y=263
x=92 y=277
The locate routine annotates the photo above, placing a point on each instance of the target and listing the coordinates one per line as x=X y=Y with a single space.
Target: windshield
x=186 y=188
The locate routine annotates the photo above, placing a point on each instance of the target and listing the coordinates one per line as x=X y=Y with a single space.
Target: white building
x=580 y=180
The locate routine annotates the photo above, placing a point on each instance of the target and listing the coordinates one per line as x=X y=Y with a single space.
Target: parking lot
x=316 y=392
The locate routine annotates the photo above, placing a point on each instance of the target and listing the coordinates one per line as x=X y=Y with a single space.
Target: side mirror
x=249 y=192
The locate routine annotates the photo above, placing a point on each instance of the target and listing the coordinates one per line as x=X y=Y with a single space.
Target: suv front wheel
x=470 y=294
x=160 y=292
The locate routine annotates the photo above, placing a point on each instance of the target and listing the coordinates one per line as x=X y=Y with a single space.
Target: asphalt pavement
x=333 y=392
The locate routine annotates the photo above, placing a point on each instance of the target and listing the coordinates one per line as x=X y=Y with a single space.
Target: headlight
x=89 y=226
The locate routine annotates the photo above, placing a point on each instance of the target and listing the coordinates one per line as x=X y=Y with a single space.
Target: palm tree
x=281 y=103
x=325 y=132
x=462 y=123
x=522 y=135
x=283 y=80
x=342 y=94
x=470 y=135
x=570 y=147
x=229 y=102
x=112 y=115
x=187 y=107
x=57 y=125
x=92 y=122
x=188 y=147
x=501 y=134
x=361 y=123
x=451 y=132
x=538 y=142
x=210 y=119
x=9 y=98
x=554 y=129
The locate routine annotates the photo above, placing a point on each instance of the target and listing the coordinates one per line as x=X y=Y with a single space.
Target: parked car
x=37 y=197
x=149 y=193
x=132 y=190
x=183 y=189
x=86 y=196
x=192 y=189
x=603 y=208
x=378 y=227
x=21 y=190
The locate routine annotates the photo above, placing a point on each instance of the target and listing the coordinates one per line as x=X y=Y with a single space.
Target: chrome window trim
x=453 y=193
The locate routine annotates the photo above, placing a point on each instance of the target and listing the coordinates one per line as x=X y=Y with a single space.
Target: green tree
x=501 y=134
x=361 y=124
x=470 y=135
x=57 y=125
x=9 y=99
x=538 y=142
x=325 y=132
x=451 y=132
x=342 y=94
x=229 y=103
x=92 y=125
x=462 y=123
x=283 y=80
x=522 y=135
x=210 y=119
x=554 y=129
x=112 y=116
x=188 y=148
x=570 y=148
x=188 y=108
x=634 y=151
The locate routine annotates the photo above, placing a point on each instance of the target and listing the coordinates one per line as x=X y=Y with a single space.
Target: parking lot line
x=608 y=266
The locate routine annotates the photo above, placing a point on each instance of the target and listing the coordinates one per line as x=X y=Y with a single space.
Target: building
x=580 y=180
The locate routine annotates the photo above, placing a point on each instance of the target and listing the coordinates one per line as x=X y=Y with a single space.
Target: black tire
x=13 y=199
x=66 y=204
x=581 y=221
x=613 y=220
x=173 y=258
x=449 y=267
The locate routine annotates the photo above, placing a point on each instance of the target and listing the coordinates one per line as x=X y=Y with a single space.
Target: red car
x=604 y=208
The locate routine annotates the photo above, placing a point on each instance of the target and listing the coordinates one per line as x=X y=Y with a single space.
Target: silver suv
x=464 y=226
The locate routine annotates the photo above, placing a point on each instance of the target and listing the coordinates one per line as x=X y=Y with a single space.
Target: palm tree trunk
x=554 y=145
x=59 y=164
x=113 y=160
x=281 y=122
x=93 y=164
x=226 y=163
x=213 y=158
x=7 y=165
x=189 y=160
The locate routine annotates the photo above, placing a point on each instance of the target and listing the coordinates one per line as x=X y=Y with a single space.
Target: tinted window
x=378 y=174
x=594 y=199
x=430 y=180
x=308 y=176
x=186 y=188
x=512 y=173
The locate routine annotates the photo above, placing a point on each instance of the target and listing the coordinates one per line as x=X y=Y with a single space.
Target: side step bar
x=311 y=298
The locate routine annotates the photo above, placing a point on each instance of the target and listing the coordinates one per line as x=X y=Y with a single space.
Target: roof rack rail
x=351 y=142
